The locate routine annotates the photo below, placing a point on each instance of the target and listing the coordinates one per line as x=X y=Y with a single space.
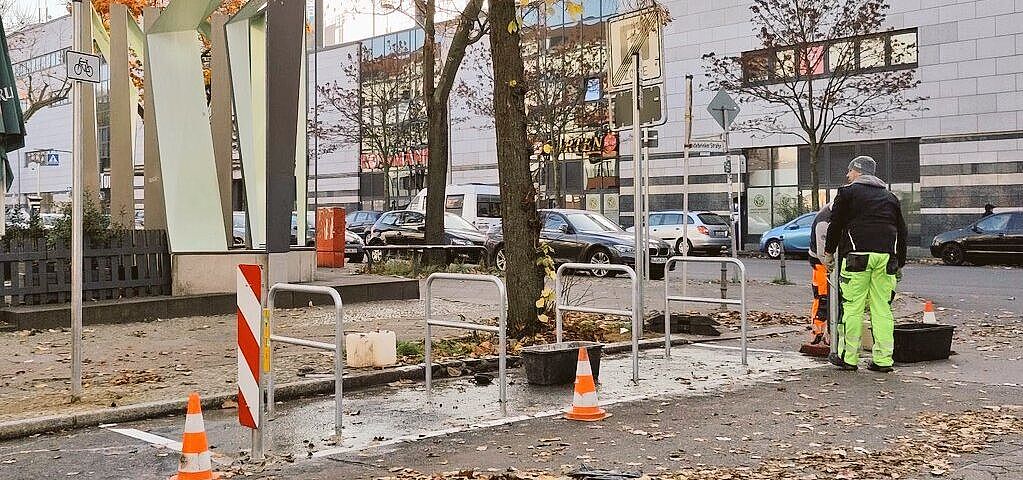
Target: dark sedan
x=995 y=238
x=587 y=237
x=360 y=222
x=408 y=227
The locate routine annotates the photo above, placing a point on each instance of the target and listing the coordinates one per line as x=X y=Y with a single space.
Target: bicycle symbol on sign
x=83 y=67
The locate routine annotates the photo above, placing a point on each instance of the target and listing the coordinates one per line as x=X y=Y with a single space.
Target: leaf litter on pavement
x=932 y=448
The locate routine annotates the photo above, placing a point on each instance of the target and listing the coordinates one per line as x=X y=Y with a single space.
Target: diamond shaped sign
x=723 y=109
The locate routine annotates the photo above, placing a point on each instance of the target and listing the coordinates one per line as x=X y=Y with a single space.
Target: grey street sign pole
x=76 y=213
x=724 y=110
x=686 y=146
x=637 y=197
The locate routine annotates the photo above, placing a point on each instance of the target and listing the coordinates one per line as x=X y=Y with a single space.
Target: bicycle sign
x=82 y=66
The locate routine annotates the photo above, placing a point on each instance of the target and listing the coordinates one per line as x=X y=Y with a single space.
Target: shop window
x=573 y=176
x=786 y=166
x=758 y=166
x=839 y=157
x=903 y=49
x=784 y=64
x=872 y=52
x=812 y=61
x=905 y=162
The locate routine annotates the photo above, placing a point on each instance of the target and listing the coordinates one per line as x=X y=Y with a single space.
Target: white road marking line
x=148 y=438
x=728 y=347
x=163 y=442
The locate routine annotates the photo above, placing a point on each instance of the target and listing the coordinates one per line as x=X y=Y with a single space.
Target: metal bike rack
x=266 y=383
x=631 y=312
x=501 y=329
x=668 y=298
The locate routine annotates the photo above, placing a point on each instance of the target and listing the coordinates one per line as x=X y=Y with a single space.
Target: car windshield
x=591 y=222
x=712 y=219
x=454 y=222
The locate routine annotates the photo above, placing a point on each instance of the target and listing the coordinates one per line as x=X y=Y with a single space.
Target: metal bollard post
x=784 y=279
x=724 y=284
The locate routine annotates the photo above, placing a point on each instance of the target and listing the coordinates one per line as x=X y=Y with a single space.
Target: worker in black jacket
x=869 y=234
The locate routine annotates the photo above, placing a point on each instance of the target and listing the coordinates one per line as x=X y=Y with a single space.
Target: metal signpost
x=634 y=43
x=724 y=110
x=84 y=69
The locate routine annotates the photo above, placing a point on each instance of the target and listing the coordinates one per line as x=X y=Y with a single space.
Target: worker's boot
x=838 y=362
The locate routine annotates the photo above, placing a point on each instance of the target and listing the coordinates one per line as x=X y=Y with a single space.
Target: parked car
x=359 y=222
x=795 y=232
x=707 y=231
x=239 y=228
x=354 y=251
x=478 y=203
x=587 y=237
x=994 y=238
x=408 y=227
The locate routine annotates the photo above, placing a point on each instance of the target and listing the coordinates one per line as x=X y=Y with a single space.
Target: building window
x=864 y=54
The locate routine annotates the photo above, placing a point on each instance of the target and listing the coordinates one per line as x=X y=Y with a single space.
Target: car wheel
x=600 y=257
x=774 y=249
x=952 y=254
x=358 y=258
x=500 y=261
x=657 y=272
x=678 y=247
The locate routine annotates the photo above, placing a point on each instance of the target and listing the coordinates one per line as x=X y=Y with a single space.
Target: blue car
x=796 y=234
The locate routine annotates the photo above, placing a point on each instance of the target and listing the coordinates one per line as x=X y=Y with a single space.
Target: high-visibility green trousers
x=865 y=278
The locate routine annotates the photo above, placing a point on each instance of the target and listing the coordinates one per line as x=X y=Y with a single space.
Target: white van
x=478 y=203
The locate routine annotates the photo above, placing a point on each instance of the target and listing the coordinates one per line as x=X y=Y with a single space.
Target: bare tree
x=39 y=85
x=14 y=14
x=438 y=82
x=379 y=106
x=826 y=63
x=562 y=64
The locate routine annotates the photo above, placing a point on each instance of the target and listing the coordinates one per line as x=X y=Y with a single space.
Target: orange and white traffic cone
x=196 y=462
x=929 y=313
x=584 y=401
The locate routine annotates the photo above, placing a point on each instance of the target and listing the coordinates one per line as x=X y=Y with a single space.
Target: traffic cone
x=584 y=401
x=929 y=313
x=195 y=462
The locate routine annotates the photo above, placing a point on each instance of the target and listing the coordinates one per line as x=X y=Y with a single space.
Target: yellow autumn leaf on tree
x=523 y=3
x=542 y=318
x=574 y=9
x=513 y=26
x=540 y=303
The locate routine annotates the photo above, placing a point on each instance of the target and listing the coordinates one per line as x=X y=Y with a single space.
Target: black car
x=408 y=227
x=359 y=222
x=587 y=237
x=994 y=238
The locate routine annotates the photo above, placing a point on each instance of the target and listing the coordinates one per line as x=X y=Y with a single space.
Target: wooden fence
x=132 y=263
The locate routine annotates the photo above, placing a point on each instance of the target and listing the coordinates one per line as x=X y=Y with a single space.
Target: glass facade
x=393 y=153
x=779 y=184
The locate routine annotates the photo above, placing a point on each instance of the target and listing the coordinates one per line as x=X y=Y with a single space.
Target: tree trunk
x=437 y=91
x=436 y=139
x=518 y=197
x=814 y=178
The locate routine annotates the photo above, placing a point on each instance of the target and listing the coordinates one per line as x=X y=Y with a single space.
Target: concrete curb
x=289 y=391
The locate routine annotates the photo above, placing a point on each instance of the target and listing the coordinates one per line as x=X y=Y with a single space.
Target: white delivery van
x=478 y=203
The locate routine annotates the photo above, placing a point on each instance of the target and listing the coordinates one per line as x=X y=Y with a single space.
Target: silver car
x=707 y=232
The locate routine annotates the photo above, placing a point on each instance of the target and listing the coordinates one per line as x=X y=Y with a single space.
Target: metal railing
x=421 y=249
x=632 y=312
x=668 y=298
x=501 y=329
x=266 y=383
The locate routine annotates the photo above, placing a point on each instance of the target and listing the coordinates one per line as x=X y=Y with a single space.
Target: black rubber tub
x=921 y=342
x=555 y=363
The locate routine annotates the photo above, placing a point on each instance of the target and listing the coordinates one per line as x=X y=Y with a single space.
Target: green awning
x=12 y=126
